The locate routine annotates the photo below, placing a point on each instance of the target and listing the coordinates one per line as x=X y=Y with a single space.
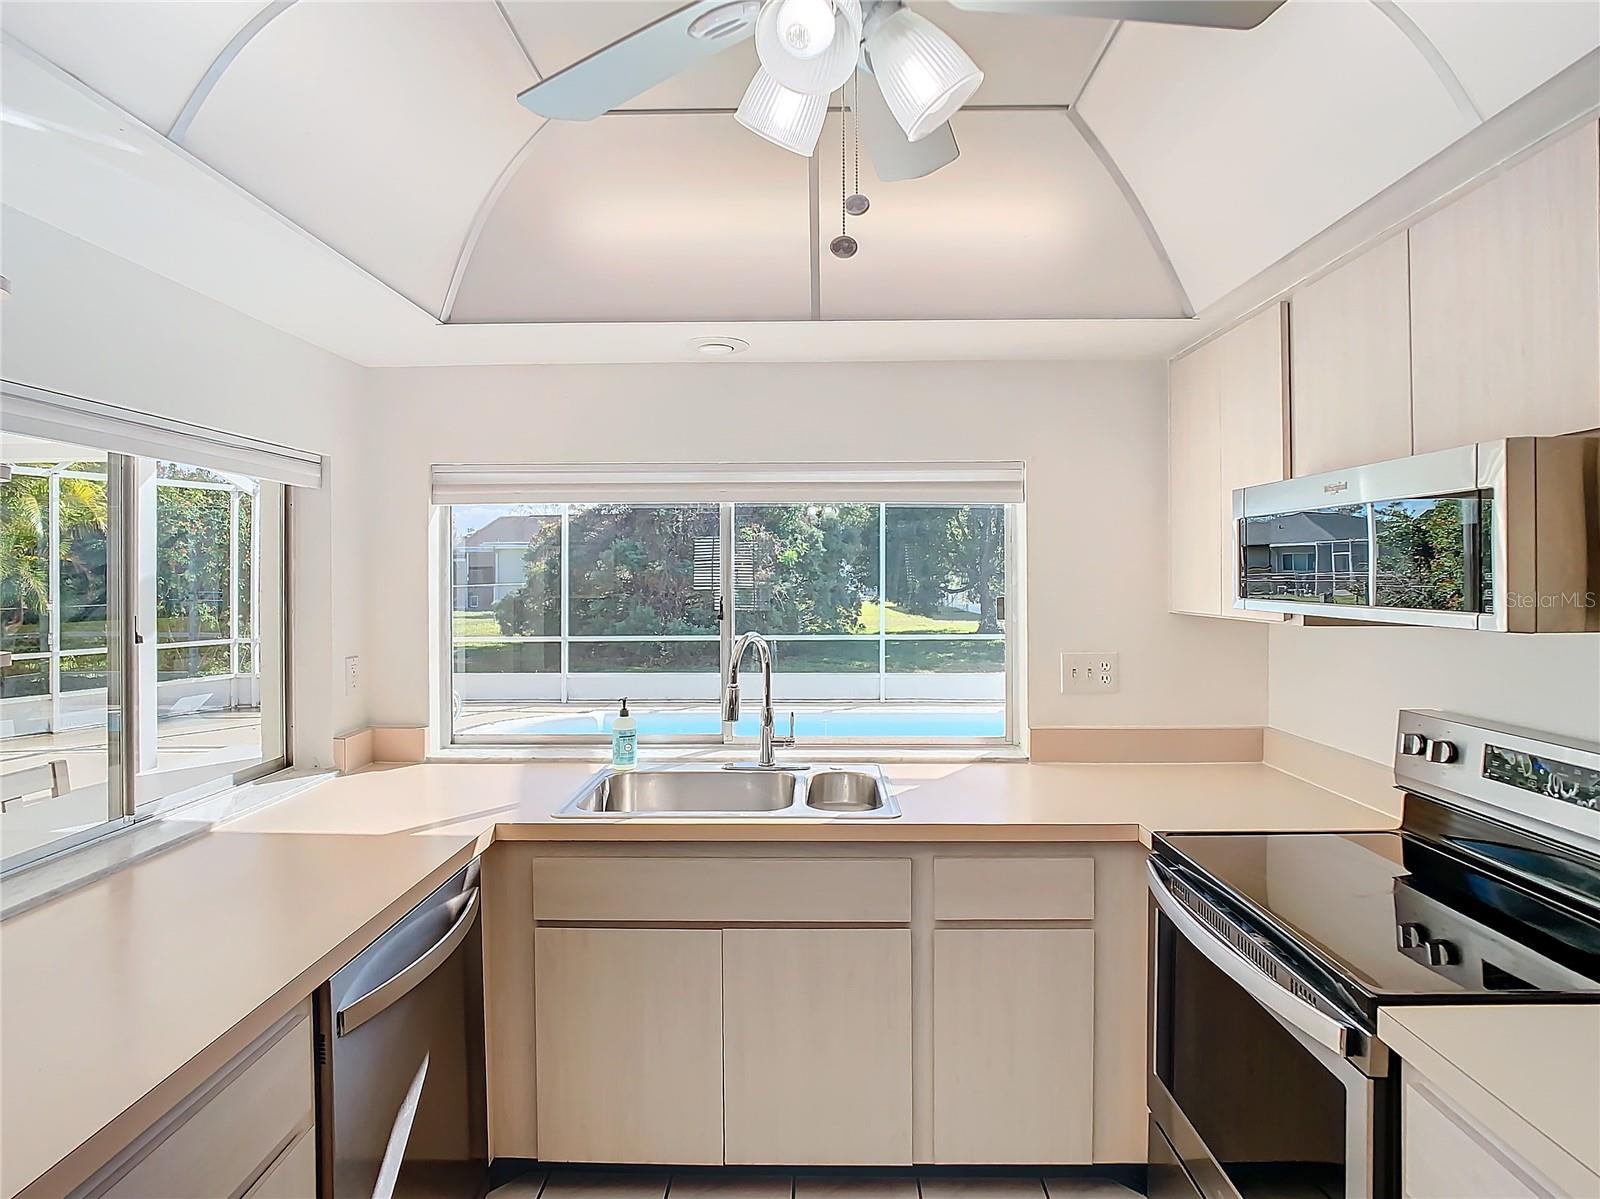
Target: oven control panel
x=1500 y=769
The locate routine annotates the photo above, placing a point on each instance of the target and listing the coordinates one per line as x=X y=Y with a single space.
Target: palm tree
x=25 y=537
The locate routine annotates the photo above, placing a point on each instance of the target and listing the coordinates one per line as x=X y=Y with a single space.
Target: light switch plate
x=1090 y=672
x=351 y=673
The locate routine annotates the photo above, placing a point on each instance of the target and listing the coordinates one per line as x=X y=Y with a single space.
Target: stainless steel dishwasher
x=400 y=1093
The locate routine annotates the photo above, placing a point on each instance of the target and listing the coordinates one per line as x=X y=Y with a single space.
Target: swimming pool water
x=813 y=724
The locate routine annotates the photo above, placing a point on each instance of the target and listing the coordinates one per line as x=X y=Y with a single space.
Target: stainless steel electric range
x=1273 y=954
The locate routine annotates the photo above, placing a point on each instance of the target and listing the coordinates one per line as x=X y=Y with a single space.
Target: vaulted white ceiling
x=1132 y=171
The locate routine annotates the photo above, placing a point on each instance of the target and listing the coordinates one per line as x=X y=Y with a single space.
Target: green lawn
x=476 y=624
x=948 y=620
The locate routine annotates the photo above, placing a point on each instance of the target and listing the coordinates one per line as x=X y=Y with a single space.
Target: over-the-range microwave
x=1502 y=535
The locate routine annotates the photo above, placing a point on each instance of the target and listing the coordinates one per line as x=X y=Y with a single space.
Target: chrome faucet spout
x=730 y=695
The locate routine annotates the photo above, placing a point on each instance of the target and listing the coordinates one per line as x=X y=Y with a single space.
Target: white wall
x=85 y=322
x=1343 y=686
x=1093 y=436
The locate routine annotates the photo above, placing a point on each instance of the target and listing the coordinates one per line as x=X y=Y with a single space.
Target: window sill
x=803 y=754
x=38 y=882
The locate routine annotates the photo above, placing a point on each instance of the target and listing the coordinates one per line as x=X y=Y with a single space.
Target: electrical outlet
x=1090 y=673
x=351 y=674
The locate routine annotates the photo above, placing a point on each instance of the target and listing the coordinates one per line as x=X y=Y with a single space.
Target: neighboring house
x=492 y=563
x=1308 y=553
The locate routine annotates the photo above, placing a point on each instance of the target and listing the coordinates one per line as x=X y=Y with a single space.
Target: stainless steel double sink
x=701 y=791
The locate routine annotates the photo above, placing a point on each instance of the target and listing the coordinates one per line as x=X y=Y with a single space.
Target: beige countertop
x=1530 y=1074
x=121 y=997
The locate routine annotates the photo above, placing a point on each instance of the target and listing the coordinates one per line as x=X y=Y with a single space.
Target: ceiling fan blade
x=1209 y=14
x=893 y=156
x=648 y=56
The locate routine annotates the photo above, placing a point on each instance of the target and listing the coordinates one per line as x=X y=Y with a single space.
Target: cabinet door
x=1505 y=303
x=1013 y=1046
x=817 y=1046
x=1194 y=483
x=1350 y=363
x=1227 y=428
x=1253 y=391
x=628 y=1045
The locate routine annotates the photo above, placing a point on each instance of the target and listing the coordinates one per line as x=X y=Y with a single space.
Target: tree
x=25 y=549
x=942 y=553
x=191 y=563
x=1422 y=554
x=811 y=566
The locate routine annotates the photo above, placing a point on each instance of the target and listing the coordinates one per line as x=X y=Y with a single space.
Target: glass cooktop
x=1455 y=909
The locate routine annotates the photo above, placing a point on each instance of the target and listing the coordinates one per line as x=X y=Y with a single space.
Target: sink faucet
x=730 y=697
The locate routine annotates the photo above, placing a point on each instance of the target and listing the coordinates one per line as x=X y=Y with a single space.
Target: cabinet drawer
x=1013 y=888
x=713 y=890
x=220 y=1145
x=1442 y=1159
x=293 y=1175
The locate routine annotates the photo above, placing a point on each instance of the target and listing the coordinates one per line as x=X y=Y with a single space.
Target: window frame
x=125 y=639
x=447 y=740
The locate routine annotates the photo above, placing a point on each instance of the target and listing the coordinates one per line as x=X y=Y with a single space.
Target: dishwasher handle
x=359 y=1010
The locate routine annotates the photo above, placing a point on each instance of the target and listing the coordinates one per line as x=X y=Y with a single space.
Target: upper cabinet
x=1505 y=303
x=1227 y=428
x=1350 y=363
x=1481 y=321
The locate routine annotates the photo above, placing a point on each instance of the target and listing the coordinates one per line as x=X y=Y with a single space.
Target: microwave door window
x=1320 y=556
x=1429 y=552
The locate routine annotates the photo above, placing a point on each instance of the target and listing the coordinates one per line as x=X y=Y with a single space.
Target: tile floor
x=539 y=1185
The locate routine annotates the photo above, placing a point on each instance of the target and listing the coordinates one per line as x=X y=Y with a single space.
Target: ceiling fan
x=912 y=77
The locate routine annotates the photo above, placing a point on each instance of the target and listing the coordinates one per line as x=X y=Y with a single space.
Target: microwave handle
x=1335 y=1035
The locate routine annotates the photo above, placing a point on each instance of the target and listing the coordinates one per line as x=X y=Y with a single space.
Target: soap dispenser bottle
x=624 y=740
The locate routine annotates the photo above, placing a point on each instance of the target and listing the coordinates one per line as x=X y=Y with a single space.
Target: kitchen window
x=142 y=618
x=884 y=594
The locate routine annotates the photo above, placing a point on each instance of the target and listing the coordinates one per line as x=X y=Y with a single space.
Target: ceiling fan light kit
x=917 y=76
x=815 y=74
x=785 y=118
x=925 y=77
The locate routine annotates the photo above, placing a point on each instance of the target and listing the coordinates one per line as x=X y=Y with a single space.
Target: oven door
x=1254 y=1090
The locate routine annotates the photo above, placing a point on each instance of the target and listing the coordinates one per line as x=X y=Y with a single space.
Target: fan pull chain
x=856 y=203
x=855 y=113
x=844 y=246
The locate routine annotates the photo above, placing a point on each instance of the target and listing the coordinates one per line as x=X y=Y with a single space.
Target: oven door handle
x=1342 y=1038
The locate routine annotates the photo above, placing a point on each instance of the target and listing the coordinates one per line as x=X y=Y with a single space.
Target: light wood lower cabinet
x=950 y=1004
x=817 y=1046
x=293 y=1175
x=629 y=1045
x=245 y=1132
x=1444 y=1156
x=1013 y=1046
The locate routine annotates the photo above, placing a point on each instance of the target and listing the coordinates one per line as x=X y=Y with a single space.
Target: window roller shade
x=34 y=412
x=942 y=483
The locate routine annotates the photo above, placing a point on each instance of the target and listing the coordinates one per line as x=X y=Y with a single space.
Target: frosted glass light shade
x=823 y=73
x=807 y=26
x=785 y=118
x=925 y=77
